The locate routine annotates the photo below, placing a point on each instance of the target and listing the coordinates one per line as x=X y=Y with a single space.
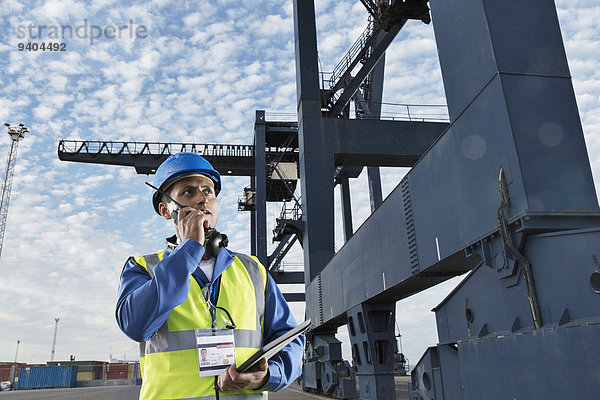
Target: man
x=197 y=293
x=204 y=357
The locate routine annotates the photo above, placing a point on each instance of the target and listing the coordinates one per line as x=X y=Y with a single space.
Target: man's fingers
x=190 y=211
x=231 y=379
x=228 y=382
x=222 y=382
x=261 y=365
x=191 y=224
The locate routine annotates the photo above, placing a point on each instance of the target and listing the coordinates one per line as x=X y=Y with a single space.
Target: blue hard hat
x=181 y=164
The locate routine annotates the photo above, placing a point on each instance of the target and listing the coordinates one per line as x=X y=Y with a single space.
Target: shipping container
x=131 y=370
x=85 y=376
x=5 y=372
x=116 y=371
x=5 y=369
x=97 y=368
x=47 y=377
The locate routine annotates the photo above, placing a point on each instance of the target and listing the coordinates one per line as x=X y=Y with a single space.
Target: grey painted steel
x=552 y=363
x=325 y=141
x=453 y=209
x=374 y=100
x=147 y=156
x=371 y=330
x=346 y=208
x=565 y=294
x=283 y=247
x=354 y=142
x=288 y=277
x=260 y=182
x=316 y=163
x=375 y=195
x=324 y=370
x=294 y=297
x=376 y=142
x=549 y=181
x=513 y=109
x=437 y=375
x=279 y=253
x=530 y=364
x=253 y=244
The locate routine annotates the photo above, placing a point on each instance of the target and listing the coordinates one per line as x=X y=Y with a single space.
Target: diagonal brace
x=354 y=83
x=274 y=260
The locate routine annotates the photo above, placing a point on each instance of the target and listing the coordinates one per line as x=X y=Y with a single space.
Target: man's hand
x=191 y=223
x=254 y=378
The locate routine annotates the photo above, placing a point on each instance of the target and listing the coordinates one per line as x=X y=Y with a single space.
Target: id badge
x=216 y=350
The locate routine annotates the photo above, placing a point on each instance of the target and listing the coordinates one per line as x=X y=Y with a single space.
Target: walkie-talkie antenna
x=161 y=192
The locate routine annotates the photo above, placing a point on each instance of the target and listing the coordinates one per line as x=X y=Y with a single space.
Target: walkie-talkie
x=214 y=241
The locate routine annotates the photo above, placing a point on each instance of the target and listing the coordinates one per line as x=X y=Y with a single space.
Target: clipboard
x=272 y=348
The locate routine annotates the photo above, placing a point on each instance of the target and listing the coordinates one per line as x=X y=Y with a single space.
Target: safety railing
x=153 y=148
x=293 y=212
x=414 y=112
x=290 y=267
x=351 y=58
x=408 y=112
x=276 y=116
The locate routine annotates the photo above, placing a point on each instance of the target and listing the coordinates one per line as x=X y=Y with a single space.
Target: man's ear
x=164 y=210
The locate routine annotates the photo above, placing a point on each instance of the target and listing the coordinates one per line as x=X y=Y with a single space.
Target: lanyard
x=207 y=294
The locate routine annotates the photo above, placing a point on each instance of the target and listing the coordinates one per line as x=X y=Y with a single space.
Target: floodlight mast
x=54 y=340
x=16 y=134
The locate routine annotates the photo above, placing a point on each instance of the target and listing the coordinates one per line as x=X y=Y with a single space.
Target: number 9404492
x=32 y=46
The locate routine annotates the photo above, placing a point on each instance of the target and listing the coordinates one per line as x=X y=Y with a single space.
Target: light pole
x=16 y=134
x=54 y=341
x=13 y=371
x=17 y=352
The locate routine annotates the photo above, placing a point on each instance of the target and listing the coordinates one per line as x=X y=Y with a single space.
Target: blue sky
x=196 y=72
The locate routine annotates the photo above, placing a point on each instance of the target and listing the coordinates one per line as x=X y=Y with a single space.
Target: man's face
x=197 y=192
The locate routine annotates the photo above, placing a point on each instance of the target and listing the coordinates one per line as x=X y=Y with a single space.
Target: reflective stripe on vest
x=169 y=361
x=251 y=396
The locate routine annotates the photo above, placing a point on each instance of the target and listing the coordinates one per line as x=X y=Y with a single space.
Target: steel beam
x=280 y=252
x=375 y=194
x=260 y=181
x=378 y=142
x=282 y=243
x=294 y=297
x=316 y=158
x=346 y=208
x=148 y=163
x=374 y=100
x=288 y=277
x=253 y=231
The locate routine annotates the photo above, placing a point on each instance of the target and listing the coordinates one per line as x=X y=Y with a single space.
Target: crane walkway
x=230 y=159
x=97 y=147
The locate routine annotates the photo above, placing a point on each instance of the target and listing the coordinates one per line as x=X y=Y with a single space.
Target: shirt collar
x=223 y=259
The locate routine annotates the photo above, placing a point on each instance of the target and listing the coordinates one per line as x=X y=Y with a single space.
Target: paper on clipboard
x=272 y=348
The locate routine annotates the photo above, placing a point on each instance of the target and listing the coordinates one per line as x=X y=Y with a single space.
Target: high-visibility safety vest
x=169 y=361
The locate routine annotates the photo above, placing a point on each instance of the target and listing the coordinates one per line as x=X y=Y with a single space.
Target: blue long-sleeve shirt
x=145 y=303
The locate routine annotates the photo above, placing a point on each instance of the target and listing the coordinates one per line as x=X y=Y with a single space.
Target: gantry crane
x=16 y=134
x=504 y=192
x=271 y=163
